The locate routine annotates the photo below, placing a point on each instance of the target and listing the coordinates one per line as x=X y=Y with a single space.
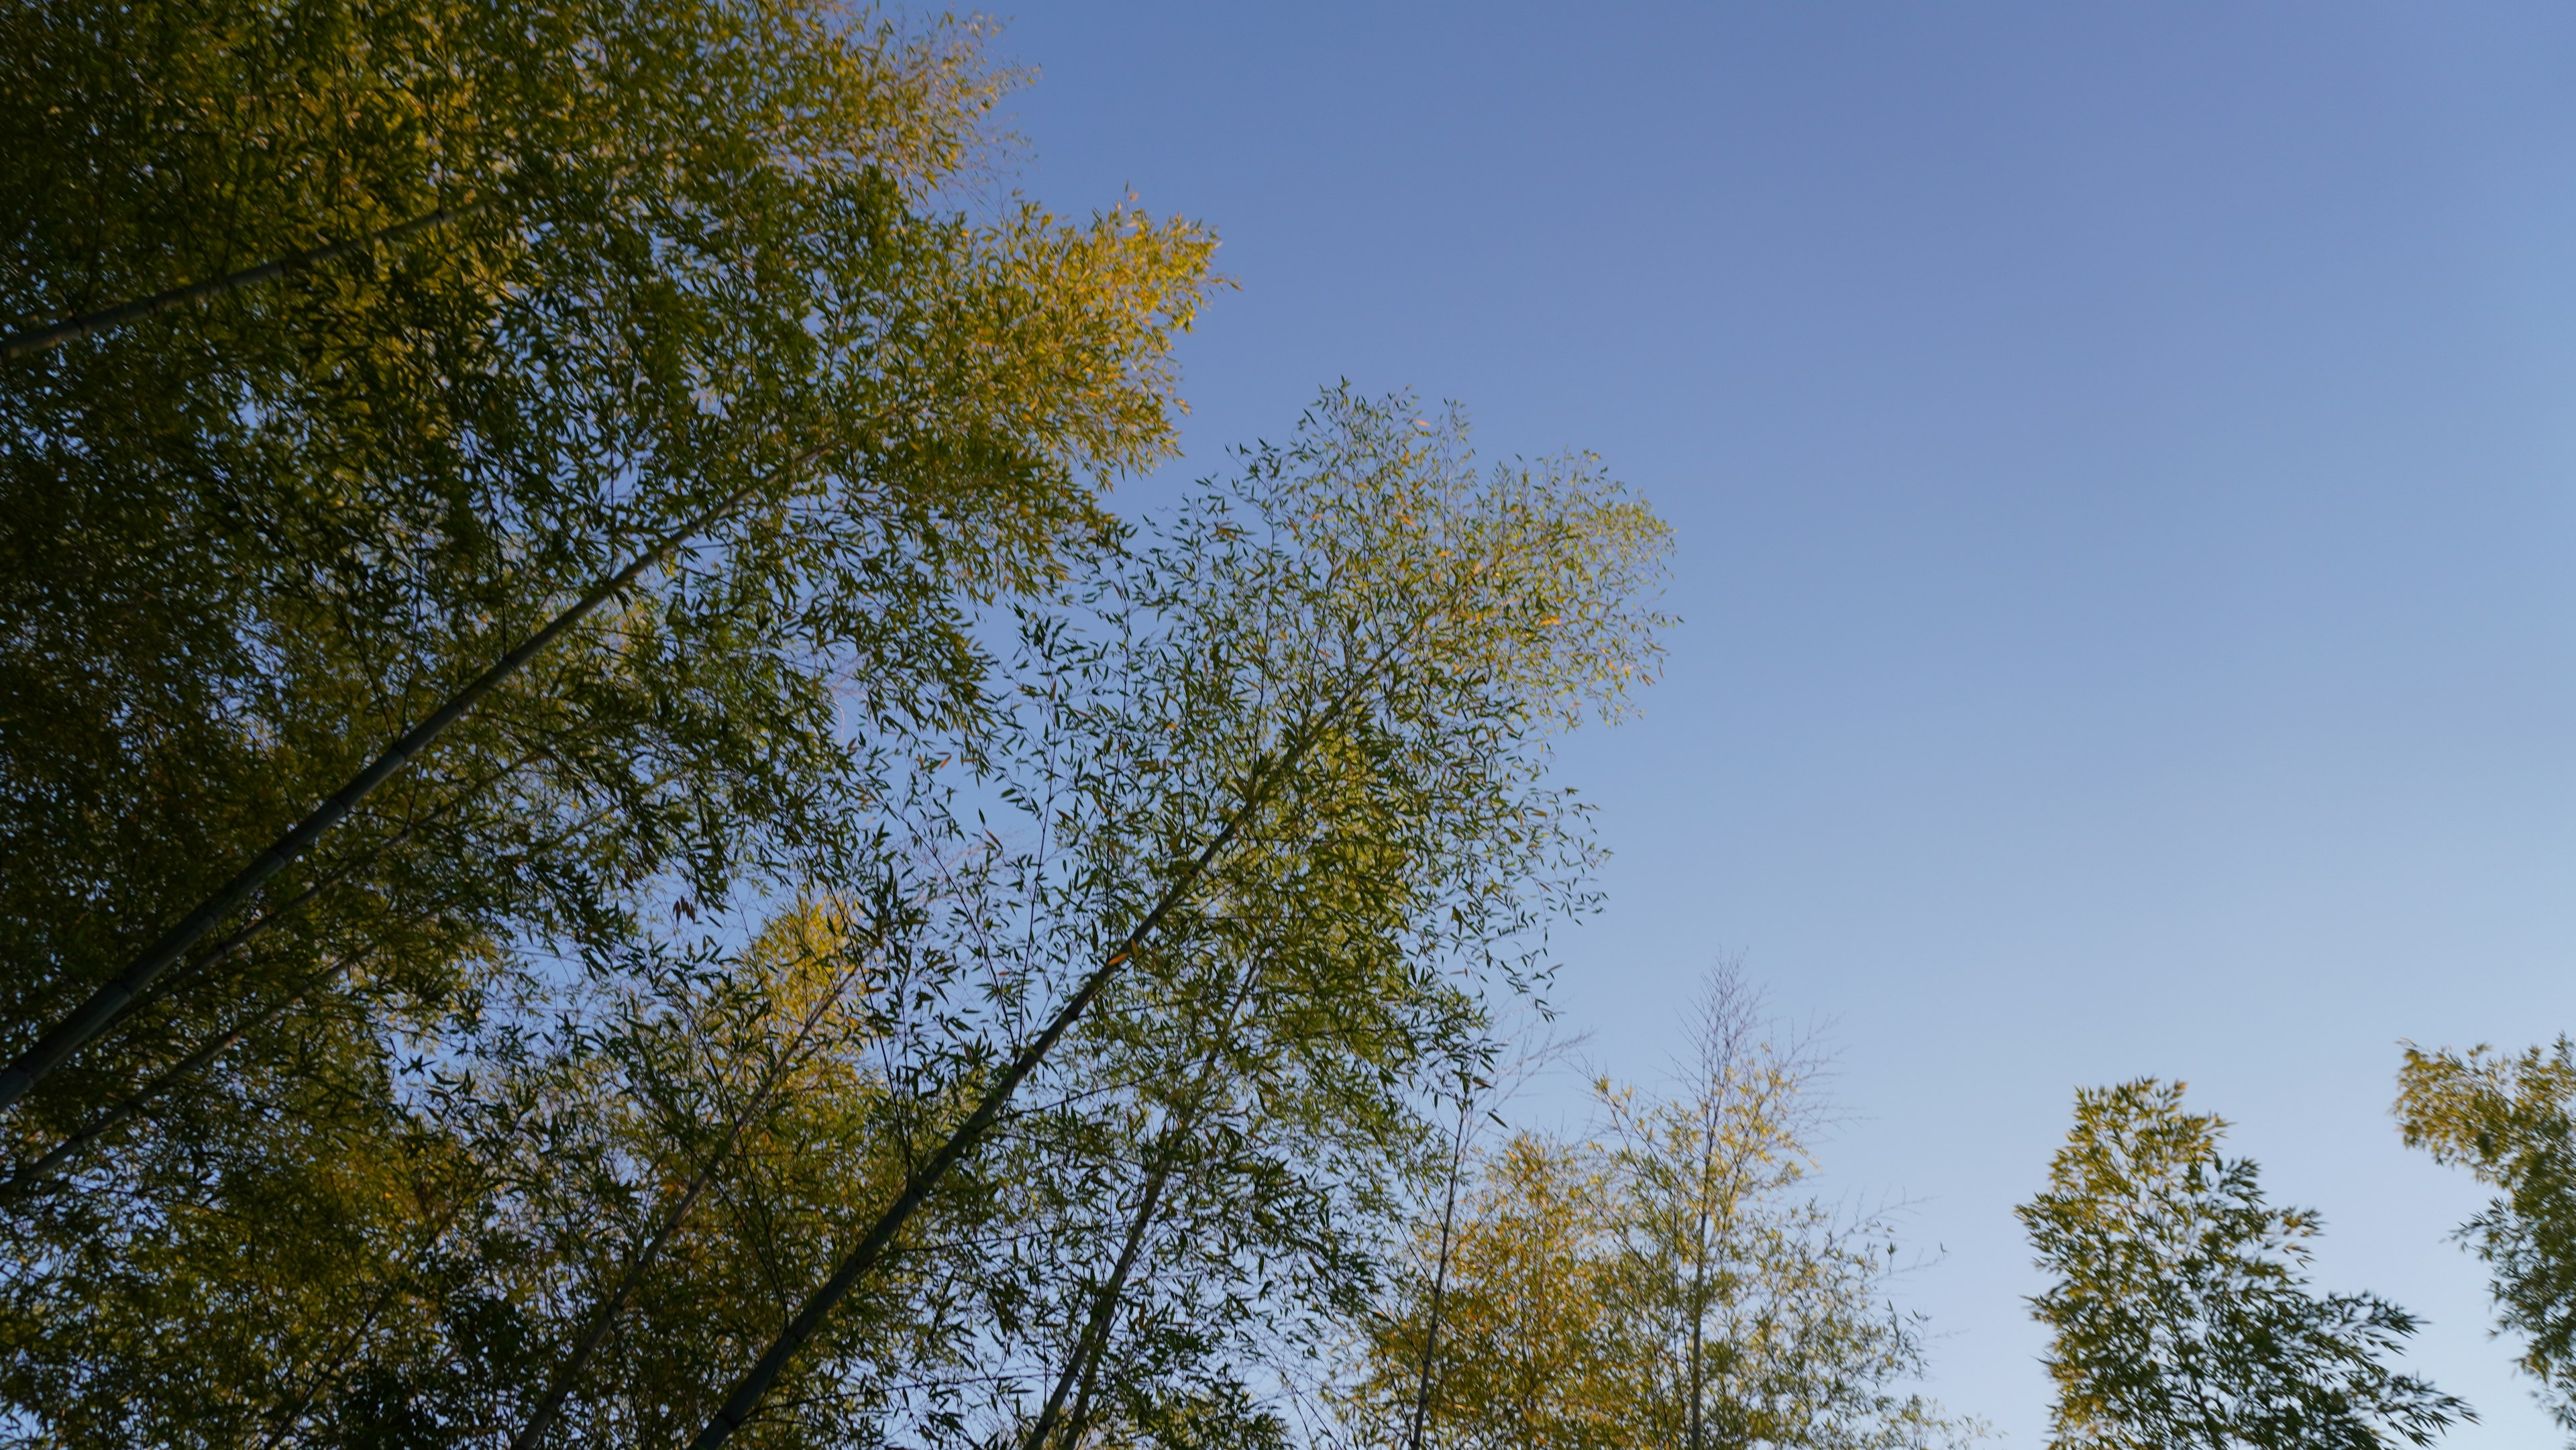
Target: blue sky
x=2121 y=465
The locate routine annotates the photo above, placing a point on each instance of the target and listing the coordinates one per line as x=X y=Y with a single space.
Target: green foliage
x=1535 y=1347
x=557 y=1077
x=245 y=544
x=2505 y=1119
x=706 y=251
x=1396 y=633
x=2181 y=1314
x=663 y=1151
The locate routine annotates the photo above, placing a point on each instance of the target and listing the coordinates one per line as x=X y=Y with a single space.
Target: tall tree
x=1327 y=689
x=697 y=311
x=703 y=311
x=464 y=1225
x=1666 y=1285
x=2506 y=1118
x=1761 y=1315
x=2181 y=1314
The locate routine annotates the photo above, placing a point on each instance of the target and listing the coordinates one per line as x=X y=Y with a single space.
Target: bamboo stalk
x=86 y=1020
x=1085 y=1360
x=79 y=1142
x=605 y=1316
x=748 y=1391
x=82 y=325
x=1440 y=1274
x=1085 y=1363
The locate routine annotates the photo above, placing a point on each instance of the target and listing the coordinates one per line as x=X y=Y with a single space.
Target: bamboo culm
x=86 y=1020
x=604 y=1317
x=64 y=1152
x=72 y=1147
x=82 y=325
x=1440 y=1274
x=1094 y=1342
x=749 y=1390
x=1095 y=1331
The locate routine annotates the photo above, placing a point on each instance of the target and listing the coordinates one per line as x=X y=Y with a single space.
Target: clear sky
x=2121 y=462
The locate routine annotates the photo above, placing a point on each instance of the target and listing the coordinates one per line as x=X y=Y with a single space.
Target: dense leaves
x=247 y=543
x=2181 y=1314
x=2506 y=1119
x=596 y=1197
x=704 y=263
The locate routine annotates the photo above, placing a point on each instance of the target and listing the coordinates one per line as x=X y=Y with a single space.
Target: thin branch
x=1085 y=1360
x=604 y=1317
x=1440 y=1272
x=79 y=1142
x=1084 y=1364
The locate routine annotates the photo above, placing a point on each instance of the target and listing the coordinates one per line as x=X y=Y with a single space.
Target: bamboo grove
x=601 y=839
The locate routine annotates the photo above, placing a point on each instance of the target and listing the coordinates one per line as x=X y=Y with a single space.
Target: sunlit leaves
x=708 y=250
x=2506 y=1119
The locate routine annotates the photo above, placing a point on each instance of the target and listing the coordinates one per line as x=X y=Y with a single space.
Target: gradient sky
x=2120 y=460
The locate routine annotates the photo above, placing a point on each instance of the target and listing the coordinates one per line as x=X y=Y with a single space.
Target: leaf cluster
x=2181 y=1312
x=2506 y=1119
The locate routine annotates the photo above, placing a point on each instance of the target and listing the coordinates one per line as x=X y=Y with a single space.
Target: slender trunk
x=261 y=924
x=748 y=1391
x=604 y=1317
x=1077 y=1425
x=79 y=1142
x=1708 y=1154
x=1095 y=1333
x=1699 y=1338
x=1094 y=1341
x=38 y=339
x=85 y=1021
x=1440 y=1275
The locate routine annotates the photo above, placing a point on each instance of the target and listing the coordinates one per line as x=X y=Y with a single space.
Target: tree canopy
x=700 y=313
x=2505 y=1118
x=2181 y=1314
x=1089 y=1078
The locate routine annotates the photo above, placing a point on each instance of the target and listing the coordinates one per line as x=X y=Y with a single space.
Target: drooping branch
x=82 y=325
x=102 y=1006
